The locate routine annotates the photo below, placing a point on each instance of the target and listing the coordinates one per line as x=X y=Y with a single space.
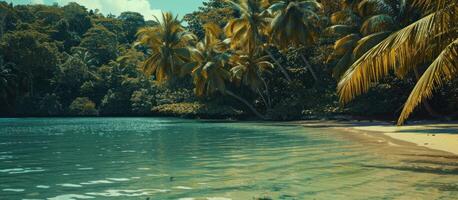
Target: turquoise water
x=156 y=158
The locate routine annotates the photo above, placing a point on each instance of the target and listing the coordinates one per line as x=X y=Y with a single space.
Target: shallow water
x=137 y=158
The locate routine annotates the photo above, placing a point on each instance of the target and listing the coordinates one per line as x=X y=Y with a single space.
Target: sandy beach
x=443 y=137
x=431 y=135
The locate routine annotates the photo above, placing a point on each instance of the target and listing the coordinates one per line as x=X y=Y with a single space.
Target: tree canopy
x=273 y=59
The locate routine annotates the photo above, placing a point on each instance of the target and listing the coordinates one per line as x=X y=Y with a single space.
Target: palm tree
x=248 y=32
x=211 y=74
x=295 y=23
x=168 y=43
x=361 y=25
x=210 y=57
x=247 y=70
x=432 y=40
x=357 y=37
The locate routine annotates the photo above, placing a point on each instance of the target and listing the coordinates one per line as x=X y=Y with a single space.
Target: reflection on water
x=139 y=158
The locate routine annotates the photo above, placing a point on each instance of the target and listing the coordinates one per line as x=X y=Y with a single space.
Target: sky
x=147 y=8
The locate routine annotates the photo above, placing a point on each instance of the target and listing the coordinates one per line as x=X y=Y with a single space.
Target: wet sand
x=428 y=148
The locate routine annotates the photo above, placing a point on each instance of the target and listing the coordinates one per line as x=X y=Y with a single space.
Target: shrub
x=83 y=106
x=50 y=105
x=115 y=103
x=196 y=109
x=142 y=102
x=170 y=96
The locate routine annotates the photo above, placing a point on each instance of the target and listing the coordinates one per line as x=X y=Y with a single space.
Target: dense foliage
x=71 y=61
x=274 y=59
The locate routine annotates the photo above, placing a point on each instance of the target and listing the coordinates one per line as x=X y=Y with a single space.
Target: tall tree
x=77 y=17
x=249 y=31
x=211 y=74
x=212 y=11
x=132 y=22
x=295 y=23
x=248 y=68
x=168 y=44
x=41 y=58
x=101 y=44
x=8 y=18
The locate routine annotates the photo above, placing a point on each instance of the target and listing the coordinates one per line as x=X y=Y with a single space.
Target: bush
x=385 y=100
x=196 y=109
x=171 y=96
x=115 y=103
x=50 y=105
x=83 y=106
x=142 y=102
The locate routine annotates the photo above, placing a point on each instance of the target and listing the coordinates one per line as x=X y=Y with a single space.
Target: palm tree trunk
x=282 y=69
x=246 y=103
x=262 y=97
x=269 y=99
x=426 y=105
x=31 y=86
x=309 y=67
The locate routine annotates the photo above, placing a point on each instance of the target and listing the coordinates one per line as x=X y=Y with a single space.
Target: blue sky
x=146 y=7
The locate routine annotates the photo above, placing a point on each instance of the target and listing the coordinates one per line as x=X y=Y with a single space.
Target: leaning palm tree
x=211 y=73
x=295 y=23
x=248 y=69
x=248 y=32
x=168 y=42
x=432 y=40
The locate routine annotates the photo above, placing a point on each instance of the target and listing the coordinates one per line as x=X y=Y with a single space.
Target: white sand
x=442 y=137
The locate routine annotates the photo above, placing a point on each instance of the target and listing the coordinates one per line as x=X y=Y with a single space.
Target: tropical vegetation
x=268 y=59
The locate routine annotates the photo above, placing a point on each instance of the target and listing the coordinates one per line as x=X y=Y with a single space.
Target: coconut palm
x=247 y=70
x=361 y=25
x=433 y=40
x=169 y=44
x=248 y=32
x=211 y=73
x=295 y=23
x=210 y=57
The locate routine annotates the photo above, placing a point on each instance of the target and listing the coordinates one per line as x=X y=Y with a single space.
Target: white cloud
x=116 y=7
x=37 y=2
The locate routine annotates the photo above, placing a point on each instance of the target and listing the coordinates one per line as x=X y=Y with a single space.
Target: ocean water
x=167 y=158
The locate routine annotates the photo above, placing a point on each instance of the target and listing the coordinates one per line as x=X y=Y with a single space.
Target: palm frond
x=368 y=42
x=345 y=44
x=168 y=45
x=431 y=5
x=443 y=69
x=394 y=51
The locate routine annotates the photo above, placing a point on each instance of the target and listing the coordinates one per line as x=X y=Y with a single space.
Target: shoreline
x=434 y=136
